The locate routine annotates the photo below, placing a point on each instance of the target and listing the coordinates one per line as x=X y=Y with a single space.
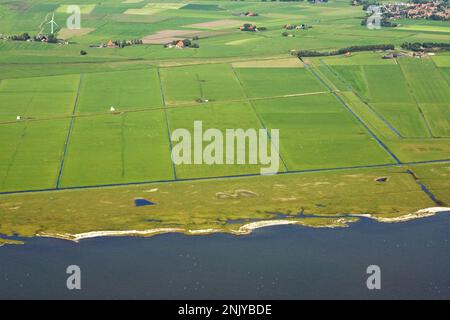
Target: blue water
x=283 y=262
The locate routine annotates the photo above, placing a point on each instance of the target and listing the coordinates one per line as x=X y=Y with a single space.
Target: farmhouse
x=393 y=55
x=297 y=27
x=111 y=44
x=246 y=14
x=180 y=44
x=248 y=27
x=41 y=37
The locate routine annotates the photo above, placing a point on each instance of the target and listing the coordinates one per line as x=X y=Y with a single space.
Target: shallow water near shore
x=280 y=262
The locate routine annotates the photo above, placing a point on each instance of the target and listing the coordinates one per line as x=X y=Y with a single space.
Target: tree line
x=417 y=46
x=51 y=38
x=370 y=47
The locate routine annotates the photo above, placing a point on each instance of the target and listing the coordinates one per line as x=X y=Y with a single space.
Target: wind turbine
x=53 y=23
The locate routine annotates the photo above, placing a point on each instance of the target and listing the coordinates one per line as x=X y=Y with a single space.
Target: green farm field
x=122 y=90
x=90 y=126
x=213 y=82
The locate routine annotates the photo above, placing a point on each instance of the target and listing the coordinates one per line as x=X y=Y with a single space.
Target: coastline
x=422 y=213
x=248 y=228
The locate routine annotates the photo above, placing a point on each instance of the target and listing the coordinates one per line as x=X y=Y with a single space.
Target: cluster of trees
x=251 y=27
x=417 y=46
x=21 y=37
x=370 y=47
x=126 y=43
x=51 y=38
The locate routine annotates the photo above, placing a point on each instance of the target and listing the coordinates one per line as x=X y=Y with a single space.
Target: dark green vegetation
x=70 y=120
x=311 y=53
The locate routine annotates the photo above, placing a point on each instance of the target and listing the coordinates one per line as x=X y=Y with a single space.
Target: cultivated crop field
x=85 y=128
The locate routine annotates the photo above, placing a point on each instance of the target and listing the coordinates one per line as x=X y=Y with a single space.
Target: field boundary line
x=69 y=133
x=424 y=188
x=381 y=143
x=411 y=91
x=292 y=172
x=325 y=77
x=261 y=121
x=167 y=123
x=122 y=149
x=14 y=155
x=376 y=113
x=168 y=106
x=372 y=109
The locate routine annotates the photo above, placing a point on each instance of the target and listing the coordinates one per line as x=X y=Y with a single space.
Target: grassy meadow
x=122 y=90
x=197 y=206
x=214 y=82
x=317 y=132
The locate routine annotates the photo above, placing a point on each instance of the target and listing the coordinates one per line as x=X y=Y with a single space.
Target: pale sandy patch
x=422 y=213
x=166 y=36
x=248 y=228
x=95 y=234
x=217 y=24
x=203 y=231
x=270 y=63
x=132 y=1
x=70 y=33
x=152 y=8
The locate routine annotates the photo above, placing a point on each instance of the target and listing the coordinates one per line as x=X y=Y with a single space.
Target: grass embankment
x=224 y=205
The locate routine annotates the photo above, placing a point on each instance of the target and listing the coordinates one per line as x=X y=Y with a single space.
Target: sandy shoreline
x=247 y=228
x=422 y=213
x=96 y=234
